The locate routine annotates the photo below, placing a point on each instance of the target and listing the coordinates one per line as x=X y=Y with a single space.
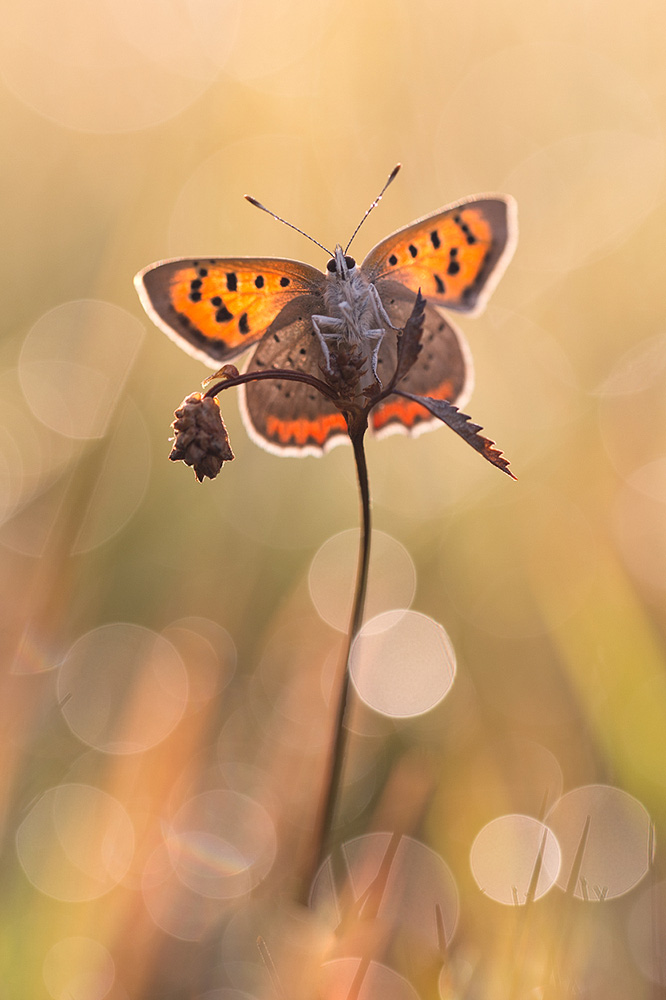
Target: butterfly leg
x=378 y=307
x=327 y=329
x=375 y=338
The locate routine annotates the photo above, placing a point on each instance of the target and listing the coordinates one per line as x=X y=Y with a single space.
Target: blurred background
x=169 y=648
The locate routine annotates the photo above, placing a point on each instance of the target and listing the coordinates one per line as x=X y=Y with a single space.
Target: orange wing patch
x=445 y=261
x=217 y=308
x=450 y=255
x=303 y=432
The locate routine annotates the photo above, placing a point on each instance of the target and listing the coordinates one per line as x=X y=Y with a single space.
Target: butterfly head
x=341 y=264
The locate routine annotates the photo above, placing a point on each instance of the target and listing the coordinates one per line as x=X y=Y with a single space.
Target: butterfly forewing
x=218 y=307
x=455 y=256
x=288 y=417
x=443 y=369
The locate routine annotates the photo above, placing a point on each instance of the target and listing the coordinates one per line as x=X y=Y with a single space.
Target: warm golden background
x=163 y=721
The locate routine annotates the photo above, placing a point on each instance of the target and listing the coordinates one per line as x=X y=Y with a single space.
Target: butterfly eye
x=350 y=262
x=331 y=265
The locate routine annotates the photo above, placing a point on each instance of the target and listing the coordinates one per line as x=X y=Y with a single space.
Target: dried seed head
x=200 y=437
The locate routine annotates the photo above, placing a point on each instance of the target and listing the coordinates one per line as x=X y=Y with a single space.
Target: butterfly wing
x=442 y=370
x=285 y=417
x=455 y=256
x=216 y=308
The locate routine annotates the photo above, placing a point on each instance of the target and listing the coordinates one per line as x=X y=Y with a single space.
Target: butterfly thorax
x=349 y=301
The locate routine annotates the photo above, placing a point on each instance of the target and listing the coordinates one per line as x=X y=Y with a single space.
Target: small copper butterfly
x=218 y=307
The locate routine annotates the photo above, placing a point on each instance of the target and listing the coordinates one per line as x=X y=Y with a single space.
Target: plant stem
x=337 y=753
x=277 y=374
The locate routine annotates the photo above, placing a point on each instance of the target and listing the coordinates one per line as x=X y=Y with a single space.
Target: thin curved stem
x=280 y=374
x=337 y=753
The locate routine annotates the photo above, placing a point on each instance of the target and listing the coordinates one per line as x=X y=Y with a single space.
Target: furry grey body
x=355 y=312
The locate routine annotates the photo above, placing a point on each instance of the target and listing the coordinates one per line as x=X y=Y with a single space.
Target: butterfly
x=291 y=313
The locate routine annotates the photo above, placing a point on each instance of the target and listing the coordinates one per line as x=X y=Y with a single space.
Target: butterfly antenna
x=257 y=204
x=391 y=177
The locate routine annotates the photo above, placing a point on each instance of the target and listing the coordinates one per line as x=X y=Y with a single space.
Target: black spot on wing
x=232 y=281
x=211 y=345
x=467 y=232
x=243 y=324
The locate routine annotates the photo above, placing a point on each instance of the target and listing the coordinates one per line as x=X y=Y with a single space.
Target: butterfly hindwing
x=455 y=256
x=289 y=417
x=218 y=307
x=443 y=369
